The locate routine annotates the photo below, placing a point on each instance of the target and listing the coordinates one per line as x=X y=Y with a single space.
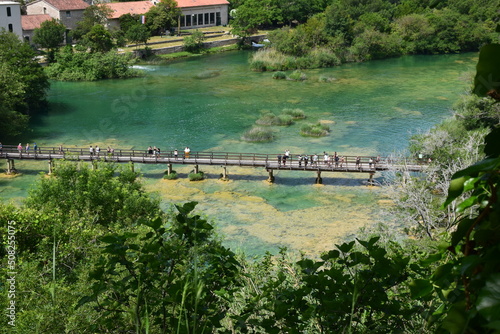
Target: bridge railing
x=193 y=156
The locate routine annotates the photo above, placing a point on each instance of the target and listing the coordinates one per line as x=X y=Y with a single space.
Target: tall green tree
x=137 y=33
x=98 y=39
x=50 y=35
x=162 y=17
x=92 y=15
x=24 y=82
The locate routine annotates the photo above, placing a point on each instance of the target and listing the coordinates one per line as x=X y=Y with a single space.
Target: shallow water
x=208 y=102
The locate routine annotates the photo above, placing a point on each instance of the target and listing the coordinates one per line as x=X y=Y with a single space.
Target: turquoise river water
x=208 y=102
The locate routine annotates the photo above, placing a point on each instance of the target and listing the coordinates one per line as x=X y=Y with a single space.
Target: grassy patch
x=297 y=76
x=279 y=75
x=315 y=130
x=258 y=134
x=172 y=176
x=295 y=113
x=196 y=176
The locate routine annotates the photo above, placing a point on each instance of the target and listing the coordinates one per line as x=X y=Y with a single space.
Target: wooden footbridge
x=350 y=164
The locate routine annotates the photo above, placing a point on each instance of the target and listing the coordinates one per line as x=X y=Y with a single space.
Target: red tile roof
x=68 y=4
x=131 y=7
x=32 y=22
x=197 y=3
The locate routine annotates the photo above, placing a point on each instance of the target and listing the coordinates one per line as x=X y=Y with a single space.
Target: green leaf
x=488 y=302
x=485 y=165
x=492 y=149
x=456 y=319
x=467 y=203
x=456 y=189
x=461 y=230
x=487 y=70
x=420 y=288
x=346 y=247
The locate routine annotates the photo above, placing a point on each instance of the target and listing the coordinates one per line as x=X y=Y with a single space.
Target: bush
x=83 y=66
x=315 y=130
x=194 y=42
x=297 y=76
x=295 y=113
x=196 y=176
x=279 y=75
x=258 y=134
x=258 y=65
x=172 y=176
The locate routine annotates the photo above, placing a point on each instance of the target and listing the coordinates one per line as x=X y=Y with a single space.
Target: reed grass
x=258 y=134
x=196 y=176
x=297 y=75
x=172 y=176
x=295 y=113
x=315 y=130
x=280 y=75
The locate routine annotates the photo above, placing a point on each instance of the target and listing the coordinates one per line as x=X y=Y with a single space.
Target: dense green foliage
x=50 y=35
x=23 y=85
x=162 y=17
x=92 y=15
x=349 y=30
x=194 y=42
x=72 y=65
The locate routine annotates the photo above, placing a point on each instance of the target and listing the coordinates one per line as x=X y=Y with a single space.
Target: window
x=200 y=19
x=188 y=20
x=11 y=28
x=68 y=13
x=9 y=12
x=195 y=19
x=206 y=19
x=183 y=21
x=212 y=18
x=218 y=20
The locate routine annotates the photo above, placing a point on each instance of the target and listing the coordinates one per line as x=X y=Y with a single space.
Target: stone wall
x=212 y=44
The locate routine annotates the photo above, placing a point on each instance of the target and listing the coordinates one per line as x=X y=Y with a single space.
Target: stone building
x=203 y=13
x=195 y=13
x=68 y=12
x=32 y=22
x=10 y=17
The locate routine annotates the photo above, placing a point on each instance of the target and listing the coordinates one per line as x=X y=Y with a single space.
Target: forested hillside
x=321 y=34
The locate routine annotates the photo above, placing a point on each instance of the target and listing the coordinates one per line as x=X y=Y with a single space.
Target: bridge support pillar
x=11 y=169
x=270 y=179
x=224 y=173
x=370 y=180
x=319 y=180
x=169 y=169
x=196 y=169
x=51 y=167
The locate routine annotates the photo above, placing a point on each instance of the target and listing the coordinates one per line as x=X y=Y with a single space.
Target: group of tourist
x=26 y=148
x=154 y=151
x=328 y=160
